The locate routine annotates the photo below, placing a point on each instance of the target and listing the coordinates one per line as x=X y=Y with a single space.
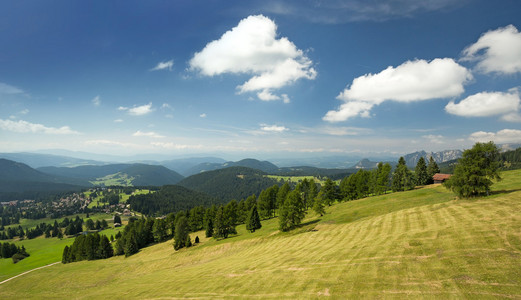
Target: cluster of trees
x=88 y=247
x=50 y=230
x=9 y=215
x=8 y=250
x=142 y=232
x=11 y=232
x=98 y=225
x=511 y=160
x=72 y=227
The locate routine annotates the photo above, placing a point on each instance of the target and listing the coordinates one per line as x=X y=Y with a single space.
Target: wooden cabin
x=440 y=178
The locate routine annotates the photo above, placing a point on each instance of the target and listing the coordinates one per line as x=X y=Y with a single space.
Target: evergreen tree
x=475 y=171
x=209 y=228
x=223 y=225
x=131 y=246
x=329 y=192
x=422 y=177
x=188 y=242
x=292 y=212
x=65 y=255
x=382 y=180
x=318 y=206
x=159 y=230
x=253 y=222
x=432 y=169
x=105 y=249
x=282 y=194
x=403 y=179
x=196 y=239
x=181 y=233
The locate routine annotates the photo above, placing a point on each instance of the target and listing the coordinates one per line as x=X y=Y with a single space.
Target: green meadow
x=421 y=243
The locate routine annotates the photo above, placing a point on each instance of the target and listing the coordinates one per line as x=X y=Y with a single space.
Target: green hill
x=264 y=166
x=18 y=180
x=229 y=183
x=169 y=198
x=119 y=174
x=417 y=244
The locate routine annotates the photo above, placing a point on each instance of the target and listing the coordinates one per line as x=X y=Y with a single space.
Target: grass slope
x=421 y=243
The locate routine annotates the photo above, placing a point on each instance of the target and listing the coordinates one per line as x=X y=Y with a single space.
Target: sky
x=259 y=78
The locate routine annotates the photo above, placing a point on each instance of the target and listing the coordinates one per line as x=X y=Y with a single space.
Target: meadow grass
x=421 y=243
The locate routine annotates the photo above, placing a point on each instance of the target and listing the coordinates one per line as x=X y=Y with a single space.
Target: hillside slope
x=421 y=243
x=229 y=183
x=134 y=174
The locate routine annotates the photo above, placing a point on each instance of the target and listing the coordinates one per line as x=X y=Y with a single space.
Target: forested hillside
x=229 y=183
x=168 y=199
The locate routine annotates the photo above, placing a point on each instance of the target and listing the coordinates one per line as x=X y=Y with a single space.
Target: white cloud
x=411 y=81
x=96 y=101
x=118 y=121
x=252 y=48
x=147 y=134
x=24 y=111
x=138 y=110
x=500 y=137
x=9 y=89
x=512 y=117
x=486 y=104
x=164 y=65
x=273 y=128
x=21 y=126
x=203 y=115
x=434 y=139
x=497 y=51
x=166 y=106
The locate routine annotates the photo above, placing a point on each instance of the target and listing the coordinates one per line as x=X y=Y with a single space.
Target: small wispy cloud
x=138 y=110
x=203 y=115
x=96 y=101
x=273 y=128
x=9 y=89
x=164 y=65
x=22 y=126
x=118 y=121
x=147 y=134
x=24 y=111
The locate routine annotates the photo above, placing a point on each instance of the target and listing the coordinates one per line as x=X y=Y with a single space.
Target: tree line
x=10 y=250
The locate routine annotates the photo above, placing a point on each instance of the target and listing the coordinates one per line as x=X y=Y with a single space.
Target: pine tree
x=188 y=242
x=253 y=222
x=65 y=255
x=292 y=212
x=432 y=169
x=329 y=192
x=318 y=206
x=422 y=177
x=131 y=246
x=181 y=233
x=196 y=239
x=403 y=179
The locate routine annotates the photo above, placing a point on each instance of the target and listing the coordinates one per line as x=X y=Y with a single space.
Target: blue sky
x=259 y=78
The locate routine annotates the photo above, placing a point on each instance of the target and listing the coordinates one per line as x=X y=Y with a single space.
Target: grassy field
x=124 y=197
x=422 y=243
x=120 y=179
x=44 y=251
